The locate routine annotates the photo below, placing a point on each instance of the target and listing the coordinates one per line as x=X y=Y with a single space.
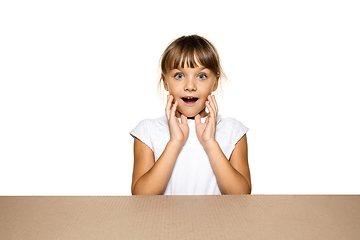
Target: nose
x=190 y=84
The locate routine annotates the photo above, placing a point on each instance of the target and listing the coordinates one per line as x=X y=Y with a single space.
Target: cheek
x=170 y=90
x=173 y=90
x=206 y=91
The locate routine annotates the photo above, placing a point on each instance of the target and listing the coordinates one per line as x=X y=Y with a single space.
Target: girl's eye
x=179 y=76
x=202 y=76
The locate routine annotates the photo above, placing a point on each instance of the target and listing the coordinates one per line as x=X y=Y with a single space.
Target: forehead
x=185 y=61
x=181 y=56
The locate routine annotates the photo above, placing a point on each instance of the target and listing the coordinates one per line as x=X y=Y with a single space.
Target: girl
x=190 y=151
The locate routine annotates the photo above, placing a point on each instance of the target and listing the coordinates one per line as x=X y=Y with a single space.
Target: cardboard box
x=181 y=217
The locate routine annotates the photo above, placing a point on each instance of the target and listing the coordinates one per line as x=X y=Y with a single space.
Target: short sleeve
x=142 y=132
x=239 y=130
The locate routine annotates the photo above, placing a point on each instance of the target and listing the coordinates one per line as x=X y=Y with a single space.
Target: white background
x=77 y=76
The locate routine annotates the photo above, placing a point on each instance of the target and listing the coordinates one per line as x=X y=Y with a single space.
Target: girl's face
x=190 y=87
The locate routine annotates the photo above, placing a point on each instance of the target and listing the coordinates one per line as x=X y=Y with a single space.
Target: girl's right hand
x=179 y=132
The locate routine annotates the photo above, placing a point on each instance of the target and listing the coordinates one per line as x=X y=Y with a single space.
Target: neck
x=202 y=114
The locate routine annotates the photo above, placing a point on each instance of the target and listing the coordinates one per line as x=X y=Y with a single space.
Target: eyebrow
x=201 y=68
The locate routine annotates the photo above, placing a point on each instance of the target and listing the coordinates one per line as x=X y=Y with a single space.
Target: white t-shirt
x=192 y=173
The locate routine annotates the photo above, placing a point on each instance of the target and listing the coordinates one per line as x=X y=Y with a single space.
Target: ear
x=216 y=84
x=164 y=82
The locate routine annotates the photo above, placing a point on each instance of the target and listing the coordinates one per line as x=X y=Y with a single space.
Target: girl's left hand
x=206 y=131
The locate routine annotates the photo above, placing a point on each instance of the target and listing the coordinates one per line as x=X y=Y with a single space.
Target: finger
x=197 y=119
x=211 y=110
x=168 y=106
x=210 y=103
x=215 y=104
x=184 y=119
x=173 y=109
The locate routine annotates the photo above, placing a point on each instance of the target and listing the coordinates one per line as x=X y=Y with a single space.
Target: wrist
x=210 y=144
x=177 y=144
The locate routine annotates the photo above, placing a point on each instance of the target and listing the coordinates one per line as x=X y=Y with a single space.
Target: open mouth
x=190 y=100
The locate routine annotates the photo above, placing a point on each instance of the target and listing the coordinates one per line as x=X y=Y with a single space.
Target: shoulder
x=151 y=124
x=231 y=128
x=149 y=131
x=228 y=123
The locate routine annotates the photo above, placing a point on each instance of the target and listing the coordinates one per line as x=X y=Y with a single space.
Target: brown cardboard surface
x=181 y=217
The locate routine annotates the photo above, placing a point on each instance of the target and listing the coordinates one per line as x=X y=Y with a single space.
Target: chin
x=190 y=114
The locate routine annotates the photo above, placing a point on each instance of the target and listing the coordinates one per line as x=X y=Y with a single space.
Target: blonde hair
x=190 y=50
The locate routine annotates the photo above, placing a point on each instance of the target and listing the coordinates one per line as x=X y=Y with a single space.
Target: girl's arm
x=233 y=176
x=150 y=177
